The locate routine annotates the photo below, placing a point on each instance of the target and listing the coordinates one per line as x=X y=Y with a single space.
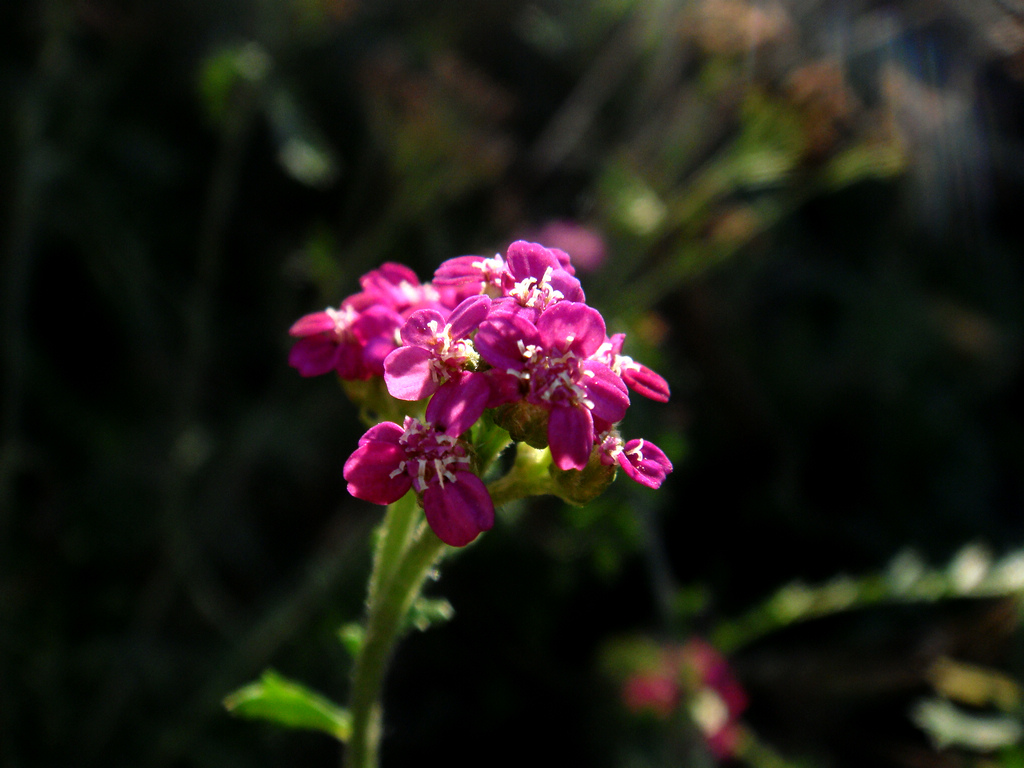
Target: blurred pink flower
x=651 y=692
x=697 y=676
x=586 y=244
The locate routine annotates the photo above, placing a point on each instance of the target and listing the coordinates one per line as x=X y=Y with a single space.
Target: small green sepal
x=351 y=636
x=425 y=612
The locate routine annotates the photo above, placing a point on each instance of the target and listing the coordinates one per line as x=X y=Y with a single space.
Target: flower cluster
x=512 y=335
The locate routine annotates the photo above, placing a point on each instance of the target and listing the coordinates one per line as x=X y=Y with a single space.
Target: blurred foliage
x=810 y=227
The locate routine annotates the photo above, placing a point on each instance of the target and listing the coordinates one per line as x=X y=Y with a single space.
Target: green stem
x=387 y=611
x=392 y=541
x=528 y=477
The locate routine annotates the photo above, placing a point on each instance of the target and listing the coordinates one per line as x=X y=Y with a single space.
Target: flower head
x=509 y=333
x=391 y=459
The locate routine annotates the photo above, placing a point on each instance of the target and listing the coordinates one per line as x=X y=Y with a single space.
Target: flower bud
x=524 y=422
x=580 y=486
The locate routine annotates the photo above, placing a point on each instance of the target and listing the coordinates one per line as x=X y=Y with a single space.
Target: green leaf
x=289 y=704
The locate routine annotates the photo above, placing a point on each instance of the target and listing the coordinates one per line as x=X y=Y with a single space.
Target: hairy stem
x=387 y=611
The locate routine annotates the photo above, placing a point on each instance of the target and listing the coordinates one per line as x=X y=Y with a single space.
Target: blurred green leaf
x=289 y=704
x=948 y=725
x=302 y=151
x=869 y=160
x=222 y=72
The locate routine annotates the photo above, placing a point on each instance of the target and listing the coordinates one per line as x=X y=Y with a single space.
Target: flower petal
x=371 y=473
x=467 y=317
x=407 y=373
x=422 y=327
x=376 y=322
x=606 y=391
x=570 y=436
x=385 y=432
x=457 y=405
x=645 y=462
x=459 y=511
x=646 y=382
x=499 y=338
x=308 y=325
x=527 y=259
x=571 y=326
x=314 y=355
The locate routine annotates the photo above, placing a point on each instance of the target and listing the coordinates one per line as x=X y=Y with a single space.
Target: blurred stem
x=396 y=581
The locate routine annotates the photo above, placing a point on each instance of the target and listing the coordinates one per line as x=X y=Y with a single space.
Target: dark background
x=813 y=229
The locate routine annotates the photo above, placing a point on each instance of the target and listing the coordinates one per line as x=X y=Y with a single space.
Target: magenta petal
x=375 y=353
x=645 y=462
x=563 y=259
x=387 y=277
x=570 y=436
x=646 y=382
x=422 y=327
x=606 y=391
x=571 y=326
x=407 y=373
x=385 y=432
x=459 y=270
x=459 y=511
x=499 y=338
x=467 y=317
x=527 y=259
x=505 y=388
x=349 y=364
x=318 y=322
x=457 y=405
x=567 y=285
x=616 y=342
x=377 y=322
x=369 y=473
x=314 y=355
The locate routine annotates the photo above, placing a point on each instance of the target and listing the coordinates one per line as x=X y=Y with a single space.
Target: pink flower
x=641 y=460
x=585 y=244
x=396 y=286
x=434 y=350
x=552 y=362
x=537 y=278
x=651 y=692
x=697 y=677
x=713 y=670
x=345 y=340
x=719 y=700
x=433 y=462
